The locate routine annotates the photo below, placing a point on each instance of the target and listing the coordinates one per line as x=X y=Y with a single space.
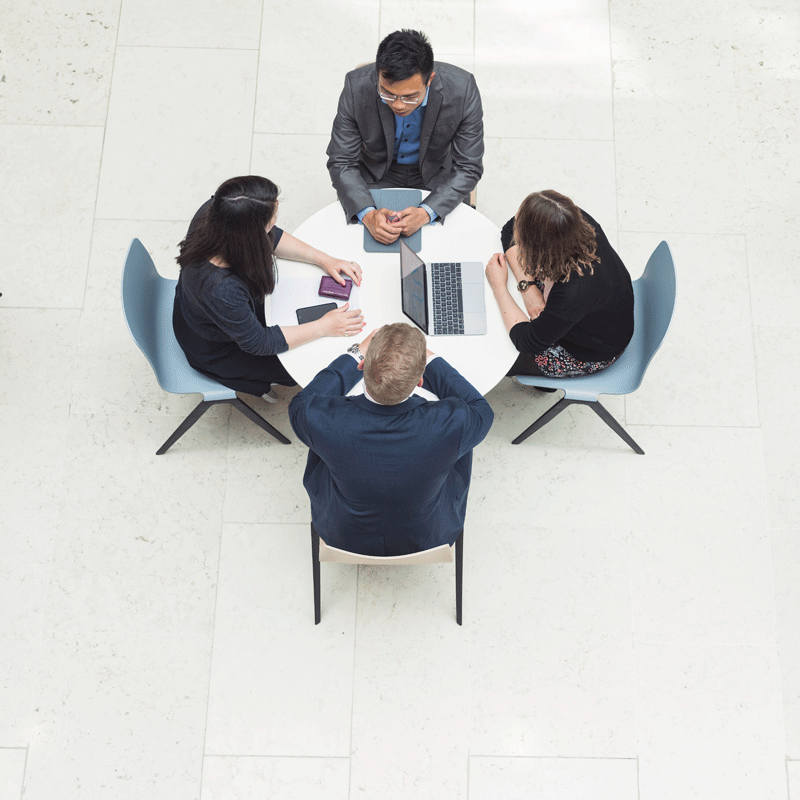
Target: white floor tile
x=232 y=778
x=565 y=687
x=35 y=439
x=410 y=718
x=183 y=23
x=448 y=24
x=705 y=586
x=297 y=165
x=553 y=778
x=47 y=229
x=24 y=571
x=41 y=364
x=675 y=119
x=786 y=566
x=710 y=338
x=793 y=768
x=777 y=353
x=170 y=143
x=12 y=771
x=701 y=478
x=515 y=166
x=544 y=70
x=574 y=455
x=111 y=470
x=766 y=71
x=58 y=61
x=300 y=80
x=119 y=716
x=710 y=723
x=265 y=477
x=399 y=602
x=148 y=572
x=280 y=685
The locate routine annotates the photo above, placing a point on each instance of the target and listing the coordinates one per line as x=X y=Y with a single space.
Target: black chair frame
x=201 y=409
x=595 y=405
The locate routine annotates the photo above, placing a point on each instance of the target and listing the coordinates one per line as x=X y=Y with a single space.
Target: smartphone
x=310 y=313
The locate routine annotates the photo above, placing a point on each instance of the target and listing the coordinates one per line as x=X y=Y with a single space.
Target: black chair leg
x=604 y=415
x=459 y=573
x=548 y=415
x=253 y=415
x=197 y=412
x=315 y=571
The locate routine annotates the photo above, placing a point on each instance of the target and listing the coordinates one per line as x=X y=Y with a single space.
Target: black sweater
x=217 y=305
x=590 y=315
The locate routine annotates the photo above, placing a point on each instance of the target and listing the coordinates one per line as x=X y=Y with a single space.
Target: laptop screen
x=414 y=286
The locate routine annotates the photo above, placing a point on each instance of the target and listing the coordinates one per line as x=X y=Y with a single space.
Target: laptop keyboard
x=448 y=316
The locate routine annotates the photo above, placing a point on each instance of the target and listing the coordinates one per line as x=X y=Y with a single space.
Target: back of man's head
x=394 y=363
x=403 y=54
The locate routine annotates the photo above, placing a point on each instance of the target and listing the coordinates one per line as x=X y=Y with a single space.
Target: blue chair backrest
x=141 y=290
x=655 y=303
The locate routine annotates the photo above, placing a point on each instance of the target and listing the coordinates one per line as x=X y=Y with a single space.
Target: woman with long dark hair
x=227 y=268
x=577 y=294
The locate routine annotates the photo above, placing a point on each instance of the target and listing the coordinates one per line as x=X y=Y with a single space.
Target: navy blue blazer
x=388 y=480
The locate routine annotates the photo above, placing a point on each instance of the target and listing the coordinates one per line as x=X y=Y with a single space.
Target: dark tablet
x=310 y=313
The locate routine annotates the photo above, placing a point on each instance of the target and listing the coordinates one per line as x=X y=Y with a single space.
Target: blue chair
x=654 y=302
x=147 y=301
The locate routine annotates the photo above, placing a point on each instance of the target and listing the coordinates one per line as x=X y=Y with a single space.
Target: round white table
x=466 y=236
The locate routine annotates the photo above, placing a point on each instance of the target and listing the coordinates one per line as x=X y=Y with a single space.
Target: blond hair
x=394 y=363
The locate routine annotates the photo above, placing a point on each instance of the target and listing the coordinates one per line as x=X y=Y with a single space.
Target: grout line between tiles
x=268 y=755
x=255 y=91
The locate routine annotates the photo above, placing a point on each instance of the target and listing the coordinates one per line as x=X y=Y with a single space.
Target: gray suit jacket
x=451 y=142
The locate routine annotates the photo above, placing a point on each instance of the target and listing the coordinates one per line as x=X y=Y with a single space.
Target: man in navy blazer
x=388 y=472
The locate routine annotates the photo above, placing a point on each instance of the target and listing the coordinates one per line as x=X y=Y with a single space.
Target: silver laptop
x=444 y=299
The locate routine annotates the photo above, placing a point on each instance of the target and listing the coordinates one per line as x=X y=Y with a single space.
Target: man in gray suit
x=411 y=122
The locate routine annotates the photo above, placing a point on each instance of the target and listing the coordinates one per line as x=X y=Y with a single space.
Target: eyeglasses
x=392 y=98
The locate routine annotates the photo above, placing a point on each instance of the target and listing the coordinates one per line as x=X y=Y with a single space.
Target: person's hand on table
x=337 y=268
x=379 y=225
x=342 y=321
x=411 y=219
x=497 y=271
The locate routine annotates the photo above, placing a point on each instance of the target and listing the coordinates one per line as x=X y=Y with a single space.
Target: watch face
x=523 y=285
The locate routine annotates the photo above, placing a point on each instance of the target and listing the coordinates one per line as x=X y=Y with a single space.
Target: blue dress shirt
x=407 y=133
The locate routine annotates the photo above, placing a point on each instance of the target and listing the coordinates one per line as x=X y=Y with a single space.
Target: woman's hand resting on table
x=342 y=321
x=339 y=269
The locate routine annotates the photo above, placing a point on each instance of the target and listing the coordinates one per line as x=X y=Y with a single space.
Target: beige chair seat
x=444 y=554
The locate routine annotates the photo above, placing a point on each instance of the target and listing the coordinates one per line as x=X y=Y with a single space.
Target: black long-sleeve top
x=590 y=316
x=217 y=305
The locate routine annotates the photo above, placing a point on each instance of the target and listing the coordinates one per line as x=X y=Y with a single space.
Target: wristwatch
x=523 y=285
x=355 y=351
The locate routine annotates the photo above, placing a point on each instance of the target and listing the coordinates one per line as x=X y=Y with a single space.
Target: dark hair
x=552 y=237
x=394 y=362
x=403 y=54
x=234 y=229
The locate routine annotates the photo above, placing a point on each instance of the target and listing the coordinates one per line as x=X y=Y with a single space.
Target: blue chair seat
x=653 y=306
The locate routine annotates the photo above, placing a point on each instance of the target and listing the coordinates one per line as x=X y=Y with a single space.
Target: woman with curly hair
x=577 y=294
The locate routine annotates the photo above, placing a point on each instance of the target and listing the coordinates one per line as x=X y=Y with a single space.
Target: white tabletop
x=466 y=236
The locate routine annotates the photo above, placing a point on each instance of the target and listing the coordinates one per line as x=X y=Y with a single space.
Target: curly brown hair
x=552 y=237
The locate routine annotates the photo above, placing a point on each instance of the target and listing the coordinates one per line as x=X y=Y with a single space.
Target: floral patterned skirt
x=556 y=362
